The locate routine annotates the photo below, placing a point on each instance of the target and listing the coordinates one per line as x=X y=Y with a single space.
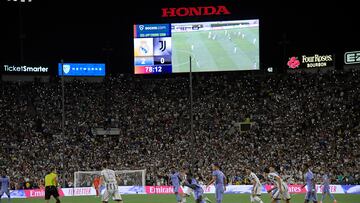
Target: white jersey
x=257 y=187
x=109 y=176
x=285 y=192
x=111 y=189
x=273 y=178
x=253 y=178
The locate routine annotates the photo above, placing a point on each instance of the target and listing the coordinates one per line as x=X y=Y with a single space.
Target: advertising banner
x=15 y=194
x=306 y=61
x=160 y=190
x=351 y=189
x=231 y=189
x=352 y=57
x=81 y=69
x=36 y=193
x=24 y=69
x=82 y=191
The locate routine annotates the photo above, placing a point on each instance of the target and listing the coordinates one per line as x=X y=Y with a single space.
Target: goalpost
x=126 y=178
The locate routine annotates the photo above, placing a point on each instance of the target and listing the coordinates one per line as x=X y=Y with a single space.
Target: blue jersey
x=175 y=179
x=198 y=190
x=5 y=182
x=219 y=183
x=326 y=181
x=309 y=176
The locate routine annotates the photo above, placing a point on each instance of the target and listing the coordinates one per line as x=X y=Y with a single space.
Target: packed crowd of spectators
x=297 y=118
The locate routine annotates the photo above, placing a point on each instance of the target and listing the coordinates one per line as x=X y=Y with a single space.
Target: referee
x=51 y=182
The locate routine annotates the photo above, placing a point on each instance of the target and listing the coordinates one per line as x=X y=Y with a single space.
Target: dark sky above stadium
x=100 y=31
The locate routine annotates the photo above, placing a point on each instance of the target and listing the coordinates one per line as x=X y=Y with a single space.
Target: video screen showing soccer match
x=212 y=46
x=216 y=46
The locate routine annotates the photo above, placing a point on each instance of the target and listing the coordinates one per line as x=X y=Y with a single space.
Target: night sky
x=101 y=31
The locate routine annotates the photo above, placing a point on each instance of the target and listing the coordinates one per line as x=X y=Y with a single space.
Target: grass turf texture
x=216 y=54
x=229 y=198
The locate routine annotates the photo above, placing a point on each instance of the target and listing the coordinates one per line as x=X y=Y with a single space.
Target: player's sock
x=178 y=198
x=332 y=197
x=183 y=199
x=207 y=199
x=218 y=201
x=257 y=199
x=322 y=198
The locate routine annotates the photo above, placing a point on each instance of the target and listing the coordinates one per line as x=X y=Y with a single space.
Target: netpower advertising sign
x=24 y=69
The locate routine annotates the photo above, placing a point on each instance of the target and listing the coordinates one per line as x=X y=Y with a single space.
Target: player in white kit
x=187 y=191
x=108 y=178
x=256 y=190
x=281 y=189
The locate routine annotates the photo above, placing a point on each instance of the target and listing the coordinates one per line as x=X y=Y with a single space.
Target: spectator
x=297 y=118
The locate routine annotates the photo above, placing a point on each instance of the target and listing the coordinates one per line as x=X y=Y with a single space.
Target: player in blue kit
x=5 y=185
x=326 y=188
x=175 y=181
x=310 y=185
x=219 y=179
x=192 y=183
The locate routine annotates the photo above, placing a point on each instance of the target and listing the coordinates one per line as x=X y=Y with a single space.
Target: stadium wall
x=231 y=189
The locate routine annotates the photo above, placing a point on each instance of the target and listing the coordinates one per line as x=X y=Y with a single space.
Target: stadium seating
x=298 y=118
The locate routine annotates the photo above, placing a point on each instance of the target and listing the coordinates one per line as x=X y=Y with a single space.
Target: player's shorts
x=326 y=190
x=311 y=196
x=257 y=190
x=176 y=189
x=5 y=191
x=111 y=191
x=51 y=191
x=188 y=191
x=285 y=195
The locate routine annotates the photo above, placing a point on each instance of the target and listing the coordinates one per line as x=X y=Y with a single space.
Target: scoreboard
x=152 y=48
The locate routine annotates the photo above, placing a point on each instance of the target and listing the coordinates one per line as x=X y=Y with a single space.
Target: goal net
x=126 y=178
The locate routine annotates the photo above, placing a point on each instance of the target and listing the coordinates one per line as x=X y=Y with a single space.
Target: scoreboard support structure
x=191 y=101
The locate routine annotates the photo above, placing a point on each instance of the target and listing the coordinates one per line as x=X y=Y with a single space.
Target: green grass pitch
x=230 y=198
x=220 y=50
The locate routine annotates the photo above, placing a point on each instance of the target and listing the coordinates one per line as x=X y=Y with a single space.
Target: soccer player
x=220 y=182
x=280 y=191
x=310 y=183
x=326 y=188
x=256 y=190
x=175 y=181
x=192 y=183
x=96 y=184
x=187 y=190
x=51 y=183
x=108 y=177
x=5 y=185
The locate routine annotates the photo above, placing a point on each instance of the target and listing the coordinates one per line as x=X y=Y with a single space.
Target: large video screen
x=213 y=46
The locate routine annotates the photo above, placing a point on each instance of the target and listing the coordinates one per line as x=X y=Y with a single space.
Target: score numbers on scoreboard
x=152 y=48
